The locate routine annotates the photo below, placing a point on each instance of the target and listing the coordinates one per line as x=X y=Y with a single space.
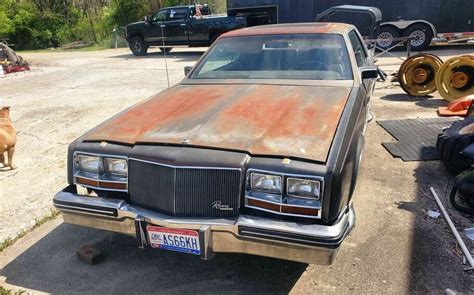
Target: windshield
x=300 y=56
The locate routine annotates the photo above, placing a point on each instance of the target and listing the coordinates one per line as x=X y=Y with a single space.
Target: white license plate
x=180 y=240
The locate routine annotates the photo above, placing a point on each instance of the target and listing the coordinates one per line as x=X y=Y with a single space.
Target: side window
x=161 y=16
x=358 y=47
x=178 y=14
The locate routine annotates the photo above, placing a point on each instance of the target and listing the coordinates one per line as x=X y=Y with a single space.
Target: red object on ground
x=458 y=107
x=15 y=68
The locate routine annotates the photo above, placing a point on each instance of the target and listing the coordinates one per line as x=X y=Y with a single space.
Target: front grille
x=184 y=192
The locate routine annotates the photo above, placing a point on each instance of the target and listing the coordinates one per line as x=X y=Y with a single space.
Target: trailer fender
x=403 y=24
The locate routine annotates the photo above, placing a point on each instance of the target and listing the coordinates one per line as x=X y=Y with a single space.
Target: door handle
x=183 y=25
x=163 y=26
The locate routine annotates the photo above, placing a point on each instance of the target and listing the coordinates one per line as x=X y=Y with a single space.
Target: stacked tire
x=453 y=141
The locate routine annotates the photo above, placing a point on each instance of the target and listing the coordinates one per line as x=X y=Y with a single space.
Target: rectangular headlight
x=265 y=182
x=116 y=166
x=88 y=163
x=303 y=188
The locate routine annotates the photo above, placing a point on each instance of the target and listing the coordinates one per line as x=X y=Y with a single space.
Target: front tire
x=138 y=46
x=422 y=36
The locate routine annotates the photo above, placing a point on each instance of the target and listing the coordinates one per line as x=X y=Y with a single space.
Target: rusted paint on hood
x=278 y=120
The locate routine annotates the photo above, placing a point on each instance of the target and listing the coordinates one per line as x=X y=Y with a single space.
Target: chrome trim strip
x=287 y=214
x=99 y=180
x=184 y=167
x=68 y=207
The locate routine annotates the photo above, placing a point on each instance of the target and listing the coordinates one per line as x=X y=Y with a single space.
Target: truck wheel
x=386 y=35
x=138 y=46
x=453 y=141
x=421 y=34
x=166 y=49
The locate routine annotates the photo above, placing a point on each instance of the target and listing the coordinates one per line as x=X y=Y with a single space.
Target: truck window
x=358 y=47
x=178 y=14
x=160 y=16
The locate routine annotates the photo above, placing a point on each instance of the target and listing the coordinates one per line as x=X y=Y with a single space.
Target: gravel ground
x=64 y=95
x=395 y=247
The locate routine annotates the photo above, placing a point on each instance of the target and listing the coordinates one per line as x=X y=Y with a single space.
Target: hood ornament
x=185 y=141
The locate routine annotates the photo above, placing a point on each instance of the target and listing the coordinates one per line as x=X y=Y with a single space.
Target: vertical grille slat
x=184 y=192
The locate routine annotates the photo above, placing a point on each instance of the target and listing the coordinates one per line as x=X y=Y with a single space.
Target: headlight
x=116 y=166
x=266 y=182
x=88 y=163
x=100 y=172
x=303 y=188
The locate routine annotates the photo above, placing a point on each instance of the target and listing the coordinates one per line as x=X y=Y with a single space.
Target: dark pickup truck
x=179 y=25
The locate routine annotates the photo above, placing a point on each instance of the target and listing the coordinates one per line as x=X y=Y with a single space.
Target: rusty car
x=256 y=151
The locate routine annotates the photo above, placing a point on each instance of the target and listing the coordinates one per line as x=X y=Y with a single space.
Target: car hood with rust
x=276 y=120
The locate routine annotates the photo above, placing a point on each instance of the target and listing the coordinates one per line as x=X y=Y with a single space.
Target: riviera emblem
x=219 y=206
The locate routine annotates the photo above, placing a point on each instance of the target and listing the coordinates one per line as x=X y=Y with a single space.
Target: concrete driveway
x=395 y=247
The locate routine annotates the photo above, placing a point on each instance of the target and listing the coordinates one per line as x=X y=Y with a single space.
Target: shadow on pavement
x=422 y=101
x=179 y=56
x=404 y=97
x=436 y=263
x=51 y=266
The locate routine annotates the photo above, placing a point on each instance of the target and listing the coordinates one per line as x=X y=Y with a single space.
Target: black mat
x=416 y=137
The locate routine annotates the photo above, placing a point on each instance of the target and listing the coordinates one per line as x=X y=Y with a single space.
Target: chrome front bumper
x=307 y=243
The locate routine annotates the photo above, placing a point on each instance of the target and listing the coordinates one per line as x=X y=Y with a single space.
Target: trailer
x=421 y=20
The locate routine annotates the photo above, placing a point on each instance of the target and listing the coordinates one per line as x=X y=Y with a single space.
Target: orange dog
x=7 y=138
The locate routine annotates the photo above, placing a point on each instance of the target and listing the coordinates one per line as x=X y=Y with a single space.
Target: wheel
x=417 y=74
x=421 y=34
x=138 y=46
x=453 y=141
x=166 y=49
x=386 y=35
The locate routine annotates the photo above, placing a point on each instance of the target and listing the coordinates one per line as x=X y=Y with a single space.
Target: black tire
x=166 y=49
x=453 y=141
x=138 y=46
x=422 y=34
x=387 y=33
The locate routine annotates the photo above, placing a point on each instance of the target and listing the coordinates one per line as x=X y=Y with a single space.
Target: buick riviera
x=256 y=151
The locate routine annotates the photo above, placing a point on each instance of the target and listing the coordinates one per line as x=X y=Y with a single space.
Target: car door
x=155 y=29
x=176 y=28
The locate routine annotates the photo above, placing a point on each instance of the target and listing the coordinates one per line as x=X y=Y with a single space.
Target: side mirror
x=146 y=19
x=371 y=72
x=187 y=70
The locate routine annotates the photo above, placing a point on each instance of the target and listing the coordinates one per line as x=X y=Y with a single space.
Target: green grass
x=4 y=291
x=95 y=47
x=10 y=241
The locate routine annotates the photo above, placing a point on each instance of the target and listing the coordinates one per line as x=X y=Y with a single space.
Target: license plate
x=180 y=240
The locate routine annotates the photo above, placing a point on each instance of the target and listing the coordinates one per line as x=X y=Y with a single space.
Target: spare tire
x=453 y=141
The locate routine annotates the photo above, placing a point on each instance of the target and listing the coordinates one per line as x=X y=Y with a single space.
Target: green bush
x=43 y=23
